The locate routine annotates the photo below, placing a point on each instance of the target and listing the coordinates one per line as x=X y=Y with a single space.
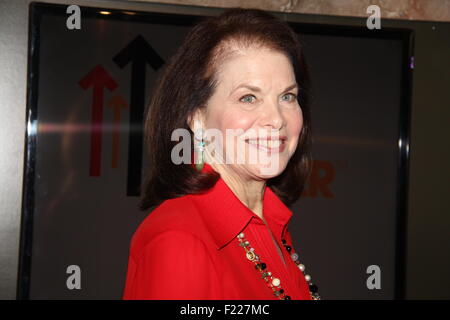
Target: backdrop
x=88 y=89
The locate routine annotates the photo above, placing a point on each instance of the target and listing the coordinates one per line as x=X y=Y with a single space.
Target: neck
x=249 y=191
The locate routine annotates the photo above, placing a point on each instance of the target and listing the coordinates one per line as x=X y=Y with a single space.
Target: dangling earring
x=199 y=163
x=199 y=148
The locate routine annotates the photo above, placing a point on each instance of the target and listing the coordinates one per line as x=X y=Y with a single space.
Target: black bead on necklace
x=272 y=282
x=313 y=290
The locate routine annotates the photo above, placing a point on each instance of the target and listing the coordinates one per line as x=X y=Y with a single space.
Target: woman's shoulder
x=178 y=215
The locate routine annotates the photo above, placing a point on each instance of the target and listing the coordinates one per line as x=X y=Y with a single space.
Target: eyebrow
x=257 y=89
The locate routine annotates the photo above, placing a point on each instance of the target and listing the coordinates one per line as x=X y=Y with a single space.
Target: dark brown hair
x=187 y=82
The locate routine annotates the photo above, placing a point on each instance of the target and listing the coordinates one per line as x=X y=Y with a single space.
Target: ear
x=196 y=120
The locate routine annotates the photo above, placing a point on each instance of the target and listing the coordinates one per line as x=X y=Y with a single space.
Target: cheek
x=236 y=120
x=231 y=120
x=294 y=127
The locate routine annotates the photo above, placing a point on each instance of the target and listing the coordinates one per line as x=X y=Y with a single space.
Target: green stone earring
x=199 y=162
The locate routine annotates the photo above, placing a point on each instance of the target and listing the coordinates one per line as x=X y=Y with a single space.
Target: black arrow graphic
x=139 y=53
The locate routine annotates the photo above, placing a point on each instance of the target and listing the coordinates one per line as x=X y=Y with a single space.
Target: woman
x=219 y=230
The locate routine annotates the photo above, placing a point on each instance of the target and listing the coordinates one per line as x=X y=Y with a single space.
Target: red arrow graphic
x=116 y=103
x=97 y=78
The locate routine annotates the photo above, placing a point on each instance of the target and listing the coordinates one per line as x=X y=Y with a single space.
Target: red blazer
x=188 y=248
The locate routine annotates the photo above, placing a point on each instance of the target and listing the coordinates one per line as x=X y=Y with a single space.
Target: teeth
x=274 y=143
x=266 y=143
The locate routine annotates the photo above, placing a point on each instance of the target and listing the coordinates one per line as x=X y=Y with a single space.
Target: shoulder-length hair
x=187 y=82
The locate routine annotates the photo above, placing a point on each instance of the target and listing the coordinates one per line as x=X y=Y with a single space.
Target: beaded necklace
x=274 y=283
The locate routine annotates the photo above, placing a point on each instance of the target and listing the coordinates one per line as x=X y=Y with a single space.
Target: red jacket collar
x=226 y=216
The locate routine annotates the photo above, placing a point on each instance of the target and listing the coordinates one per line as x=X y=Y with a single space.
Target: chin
x=268 y=171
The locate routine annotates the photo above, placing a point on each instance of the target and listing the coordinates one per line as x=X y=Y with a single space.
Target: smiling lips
x=268 y=144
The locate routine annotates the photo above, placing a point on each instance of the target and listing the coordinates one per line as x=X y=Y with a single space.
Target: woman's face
x=256 y=99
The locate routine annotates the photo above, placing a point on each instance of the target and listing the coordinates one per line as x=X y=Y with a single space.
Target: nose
x=271 y=116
